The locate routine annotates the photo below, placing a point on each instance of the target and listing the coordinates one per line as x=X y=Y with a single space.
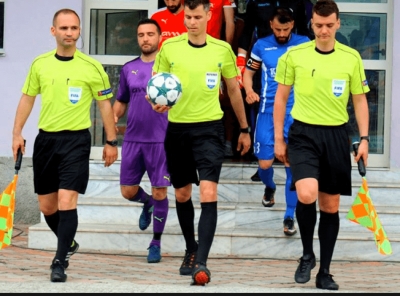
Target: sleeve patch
x=104 y=92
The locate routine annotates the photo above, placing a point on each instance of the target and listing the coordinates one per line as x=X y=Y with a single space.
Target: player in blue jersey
x=143 y=147
x=264 y=56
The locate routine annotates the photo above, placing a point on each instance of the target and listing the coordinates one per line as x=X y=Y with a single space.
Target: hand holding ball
x=164 y=89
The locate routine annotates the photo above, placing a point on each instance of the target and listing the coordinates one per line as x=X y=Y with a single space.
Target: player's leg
x=160 y=214
x=291 y=195
x=207 y=137
x=264 y=151
x=53 y=219
x=73 y=148
x=156 y=166
x=131 y=174
x=181 y=167
x=335 y=180
x=328 y=231
x=61 y=160
x=291 y=201
x=304 y=163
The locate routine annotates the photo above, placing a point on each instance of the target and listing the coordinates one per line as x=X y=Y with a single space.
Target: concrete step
x=243 y=191
x=243 y=243
x=243 y=171
x=230 y=215
x=109 y=223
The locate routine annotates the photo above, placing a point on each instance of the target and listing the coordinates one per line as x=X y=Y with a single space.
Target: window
x=110 y=37
x=365 y=26
x=1 y=27
x=116 y=31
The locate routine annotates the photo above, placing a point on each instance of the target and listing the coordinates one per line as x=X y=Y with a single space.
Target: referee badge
x=211 y=79
x=75 y=94
x=338 y=87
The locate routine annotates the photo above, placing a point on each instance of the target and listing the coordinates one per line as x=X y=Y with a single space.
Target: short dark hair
x=283 y=14
x=149 y=21
x=65 y=11
x=193 y=4
x=325 y=8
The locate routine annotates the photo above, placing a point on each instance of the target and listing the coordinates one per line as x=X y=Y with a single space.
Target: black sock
x=306 y=219
x=207 y=226
x=66 y=232
x=185 y=213
x=328 y=232
x=52 y=221
x=157 y=236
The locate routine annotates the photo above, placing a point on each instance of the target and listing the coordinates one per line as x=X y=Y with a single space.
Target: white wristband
x=242 y=55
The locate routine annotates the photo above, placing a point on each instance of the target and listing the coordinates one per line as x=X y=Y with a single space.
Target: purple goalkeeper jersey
x=143 y=123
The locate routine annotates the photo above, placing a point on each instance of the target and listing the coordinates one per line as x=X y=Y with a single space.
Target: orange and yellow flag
x=363 y=212
x=7 y=207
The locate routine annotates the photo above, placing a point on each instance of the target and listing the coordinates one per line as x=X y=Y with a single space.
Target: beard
x=148 y=50
x=174 y=8
x=282 y=40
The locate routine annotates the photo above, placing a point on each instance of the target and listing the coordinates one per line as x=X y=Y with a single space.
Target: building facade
x=108 y=34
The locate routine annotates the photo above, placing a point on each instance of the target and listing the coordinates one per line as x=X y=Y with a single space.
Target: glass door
x=365 y=26
x=110 y=37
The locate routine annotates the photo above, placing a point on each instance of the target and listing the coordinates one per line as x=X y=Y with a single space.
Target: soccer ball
x=164 y=89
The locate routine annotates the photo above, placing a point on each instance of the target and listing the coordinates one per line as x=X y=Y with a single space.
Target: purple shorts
x=137 y=158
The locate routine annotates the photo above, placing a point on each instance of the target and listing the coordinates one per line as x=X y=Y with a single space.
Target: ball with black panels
x=164 y=89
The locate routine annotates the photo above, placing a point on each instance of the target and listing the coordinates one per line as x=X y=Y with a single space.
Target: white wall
x=26 y=35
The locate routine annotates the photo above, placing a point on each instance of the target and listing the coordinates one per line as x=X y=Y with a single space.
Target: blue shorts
x=137 y=158
x=264 y=137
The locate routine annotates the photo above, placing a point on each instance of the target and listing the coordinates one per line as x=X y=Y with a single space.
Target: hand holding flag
x=7 y=207
x=363 y=211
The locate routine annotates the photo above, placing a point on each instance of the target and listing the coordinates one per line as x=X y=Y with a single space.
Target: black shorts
x=61 y=161
x=322 y=153
x=195 y=151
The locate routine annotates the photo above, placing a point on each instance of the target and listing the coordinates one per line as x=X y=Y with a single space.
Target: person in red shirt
x=222 y=10
x=170 y=19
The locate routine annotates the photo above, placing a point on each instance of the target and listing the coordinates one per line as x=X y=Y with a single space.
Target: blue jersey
x=267 y=51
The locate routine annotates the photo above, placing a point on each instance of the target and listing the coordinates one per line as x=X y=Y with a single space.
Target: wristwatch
x=245 y=130
x=113 y=143
x=364 y=138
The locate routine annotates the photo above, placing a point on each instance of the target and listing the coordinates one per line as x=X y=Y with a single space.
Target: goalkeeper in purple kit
x=143 y=145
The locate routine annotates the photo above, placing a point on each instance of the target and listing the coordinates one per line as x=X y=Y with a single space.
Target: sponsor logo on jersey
x=164 y=20
x=104 y=92
x=271 y=48
x=170 y=34
x=138 y=90
x=135 y=72
x=365 y=83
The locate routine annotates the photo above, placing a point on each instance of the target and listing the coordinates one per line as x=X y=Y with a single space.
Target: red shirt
x=215 y=23
x=171 y=24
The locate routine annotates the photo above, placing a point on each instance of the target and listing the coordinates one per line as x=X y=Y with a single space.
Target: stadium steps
x=108 y=223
